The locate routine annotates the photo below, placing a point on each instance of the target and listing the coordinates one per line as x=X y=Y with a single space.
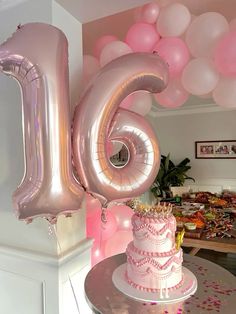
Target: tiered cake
x=154 y=262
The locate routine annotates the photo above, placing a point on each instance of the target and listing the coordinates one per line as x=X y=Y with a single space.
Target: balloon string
x=54 y=230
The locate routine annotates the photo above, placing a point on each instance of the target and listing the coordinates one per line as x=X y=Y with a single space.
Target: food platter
x=215 y=217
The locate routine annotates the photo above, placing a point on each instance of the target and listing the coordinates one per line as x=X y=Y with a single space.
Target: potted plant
x=170 y=175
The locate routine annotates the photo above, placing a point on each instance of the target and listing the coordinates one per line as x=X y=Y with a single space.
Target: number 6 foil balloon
x=98 y=119
x=36 y=56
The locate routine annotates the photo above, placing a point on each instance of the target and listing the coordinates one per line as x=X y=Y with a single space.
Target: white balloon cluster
x=200 y=51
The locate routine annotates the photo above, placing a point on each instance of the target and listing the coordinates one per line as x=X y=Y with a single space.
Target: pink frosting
x=152 y=229
x=132 y=248
x=153 y=219
x=140 y=287
x=149 y=260
x=152 y=259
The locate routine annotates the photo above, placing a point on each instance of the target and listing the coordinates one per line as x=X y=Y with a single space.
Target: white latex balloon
x=114 y=50
x=142 y=103
x=173 y=20
x=225 y=92
x=204 y=32
x=200 y=76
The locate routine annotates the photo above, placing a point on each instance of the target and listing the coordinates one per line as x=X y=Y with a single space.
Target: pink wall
x=116 y=24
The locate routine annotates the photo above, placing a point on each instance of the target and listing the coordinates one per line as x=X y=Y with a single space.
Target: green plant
x=170 y=175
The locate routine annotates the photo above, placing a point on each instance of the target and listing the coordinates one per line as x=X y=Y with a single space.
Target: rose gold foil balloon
x=97 y=115
x=36 y=56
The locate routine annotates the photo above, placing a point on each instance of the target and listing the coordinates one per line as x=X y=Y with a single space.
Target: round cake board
x=187 y=289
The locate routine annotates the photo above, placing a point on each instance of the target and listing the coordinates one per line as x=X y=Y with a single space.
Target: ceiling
x=90 y=10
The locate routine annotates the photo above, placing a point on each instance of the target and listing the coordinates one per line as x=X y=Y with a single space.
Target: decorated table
x=226 y=245
x=214 y=218
x=215 y=294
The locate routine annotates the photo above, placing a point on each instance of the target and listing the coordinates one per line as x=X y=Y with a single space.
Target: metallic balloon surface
x=36 y=56
x=97 y=119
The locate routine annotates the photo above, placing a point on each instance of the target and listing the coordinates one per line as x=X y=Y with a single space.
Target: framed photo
x=215 y=149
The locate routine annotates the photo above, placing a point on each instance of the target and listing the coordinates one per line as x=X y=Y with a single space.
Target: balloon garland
x=200 y=51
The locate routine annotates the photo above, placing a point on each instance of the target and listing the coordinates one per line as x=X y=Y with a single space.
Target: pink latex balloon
x=225 y=54
x=141 y=37
x=204 y=32
x=142 y=103
x=113 y=50
x=97 y=253
x=90 y=67
x=149 y=13
x=36 y=56
x=225 y=92
x=101 y=43
x=173 y=20
x=92 y=128
x=118 y=242
x=99 y=230
x=127 y=102
x=200 y=76
x=92 y=205
x=173 y=96
x=123 y=216
x=175 y=52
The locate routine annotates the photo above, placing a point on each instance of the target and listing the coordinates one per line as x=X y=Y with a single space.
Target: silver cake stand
x=216 y=290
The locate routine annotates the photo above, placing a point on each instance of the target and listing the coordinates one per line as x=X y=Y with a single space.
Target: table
x=216 y=290
x=226 y=245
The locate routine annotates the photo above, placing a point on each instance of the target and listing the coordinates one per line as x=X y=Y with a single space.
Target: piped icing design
x=132 y=248
x=147 y=236
x=151 y=261
x=168 y=225
x=142 y=288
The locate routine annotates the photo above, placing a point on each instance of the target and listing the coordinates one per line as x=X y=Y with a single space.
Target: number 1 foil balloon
x=98 y=119
x=36 y=56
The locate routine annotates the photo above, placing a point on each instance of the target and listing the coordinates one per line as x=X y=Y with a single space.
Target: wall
x=28 y=286
x=178 y=133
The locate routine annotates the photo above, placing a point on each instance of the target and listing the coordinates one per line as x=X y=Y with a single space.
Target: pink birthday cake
x=154 y=261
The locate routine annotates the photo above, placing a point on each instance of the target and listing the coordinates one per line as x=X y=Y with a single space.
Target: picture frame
x=221 y=149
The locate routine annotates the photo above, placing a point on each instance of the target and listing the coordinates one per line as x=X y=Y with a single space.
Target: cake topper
x=156 y=211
